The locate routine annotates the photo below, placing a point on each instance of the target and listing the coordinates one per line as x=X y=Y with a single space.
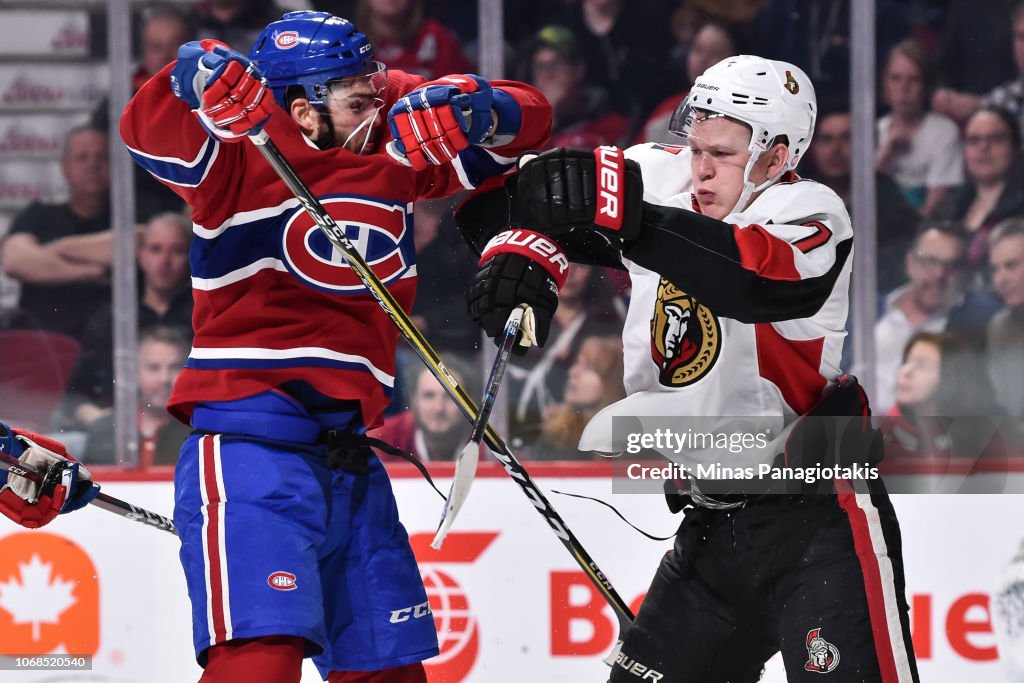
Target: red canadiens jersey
x=699 y=344
x=274 y=301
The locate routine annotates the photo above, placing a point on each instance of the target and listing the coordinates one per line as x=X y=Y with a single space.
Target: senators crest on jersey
x=686 y=337
x=379 y=230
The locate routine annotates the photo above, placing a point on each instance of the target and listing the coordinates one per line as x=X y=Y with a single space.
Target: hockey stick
x=119 y=507
x=437 y=368
x=465 y=466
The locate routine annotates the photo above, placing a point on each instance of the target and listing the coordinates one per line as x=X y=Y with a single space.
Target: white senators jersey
x=741 y=317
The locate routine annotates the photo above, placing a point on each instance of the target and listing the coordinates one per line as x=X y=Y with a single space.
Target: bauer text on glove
x=517 y=267
x=566 y=189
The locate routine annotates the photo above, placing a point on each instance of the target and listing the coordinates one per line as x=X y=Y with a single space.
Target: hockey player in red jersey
x=740 y=273
x=291 y=542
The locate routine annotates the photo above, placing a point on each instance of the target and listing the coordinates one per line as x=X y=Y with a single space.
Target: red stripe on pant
x=872 y=586
x=212 y=540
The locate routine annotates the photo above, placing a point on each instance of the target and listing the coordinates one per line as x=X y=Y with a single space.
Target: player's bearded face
x=354 y=106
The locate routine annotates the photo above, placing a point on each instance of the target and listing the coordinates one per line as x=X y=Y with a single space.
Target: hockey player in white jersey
x=740 y=273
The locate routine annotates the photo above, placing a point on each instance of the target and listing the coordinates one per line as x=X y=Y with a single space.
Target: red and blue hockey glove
x=517 y=267
x=435 y=122
x=66 y=486
x=565 y=189
x=223 y=87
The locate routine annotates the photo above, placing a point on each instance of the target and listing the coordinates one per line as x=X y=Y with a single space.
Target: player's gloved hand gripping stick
x=430 y=358
x=47 y=482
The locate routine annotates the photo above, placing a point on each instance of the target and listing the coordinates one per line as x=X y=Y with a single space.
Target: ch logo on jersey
x=282 y=581
x=686 y=337
x=380 y=231
x=822 y=656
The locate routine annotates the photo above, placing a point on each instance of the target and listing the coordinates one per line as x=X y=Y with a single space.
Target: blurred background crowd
x=949 y=331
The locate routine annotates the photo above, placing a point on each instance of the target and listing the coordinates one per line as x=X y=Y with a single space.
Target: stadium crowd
x=950 y=211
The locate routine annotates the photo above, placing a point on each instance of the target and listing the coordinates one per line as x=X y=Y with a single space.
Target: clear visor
x=702 y=131
x=686 y=117
x=368 y=84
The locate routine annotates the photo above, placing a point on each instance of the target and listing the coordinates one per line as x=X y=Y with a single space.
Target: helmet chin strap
x=327 y=141
x=748 y=187
x=367 y=124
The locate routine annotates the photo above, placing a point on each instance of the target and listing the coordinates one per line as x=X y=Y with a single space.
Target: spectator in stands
x=165 y=296
x=61 y=252
x=974 y=56
x=444 y=269
x=235 y=22
x=403 y=37
x=164 y=29
x=944 y=405
x=1006 y=329
x=918 y=148
x=934 y=300
x=815 y=36
x=624 y=46
x=582 y=115
x=433 y=428
x=712 y=43
x=535 y=381
x=831 y=160
x=727 y=11
x=994 y=188
x=165 y=299
x=1010 y=95
x=162 y=353
x=594 y=382
x=521 y=19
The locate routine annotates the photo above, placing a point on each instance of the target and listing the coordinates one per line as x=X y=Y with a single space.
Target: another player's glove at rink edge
x=517 y=267
x=569 y=188
x=68 y=486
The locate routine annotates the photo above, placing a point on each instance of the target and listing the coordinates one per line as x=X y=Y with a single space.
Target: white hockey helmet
x=774 y=98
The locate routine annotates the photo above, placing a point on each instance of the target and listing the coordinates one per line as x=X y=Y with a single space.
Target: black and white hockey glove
x=568 y=188
x=517 y=267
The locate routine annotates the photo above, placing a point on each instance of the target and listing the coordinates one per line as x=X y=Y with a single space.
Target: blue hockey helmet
x=309 y=49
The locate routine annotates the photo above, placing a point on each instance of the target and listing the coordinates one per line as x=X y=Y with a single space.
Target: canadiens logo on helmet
x=791 y=85
x=282 y=581
x=686 y=337
x=822 y=656
x=287 y=39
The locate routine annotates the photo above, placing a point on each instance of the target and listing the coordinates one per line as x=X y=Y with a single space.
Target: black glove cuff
x=562 y=189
